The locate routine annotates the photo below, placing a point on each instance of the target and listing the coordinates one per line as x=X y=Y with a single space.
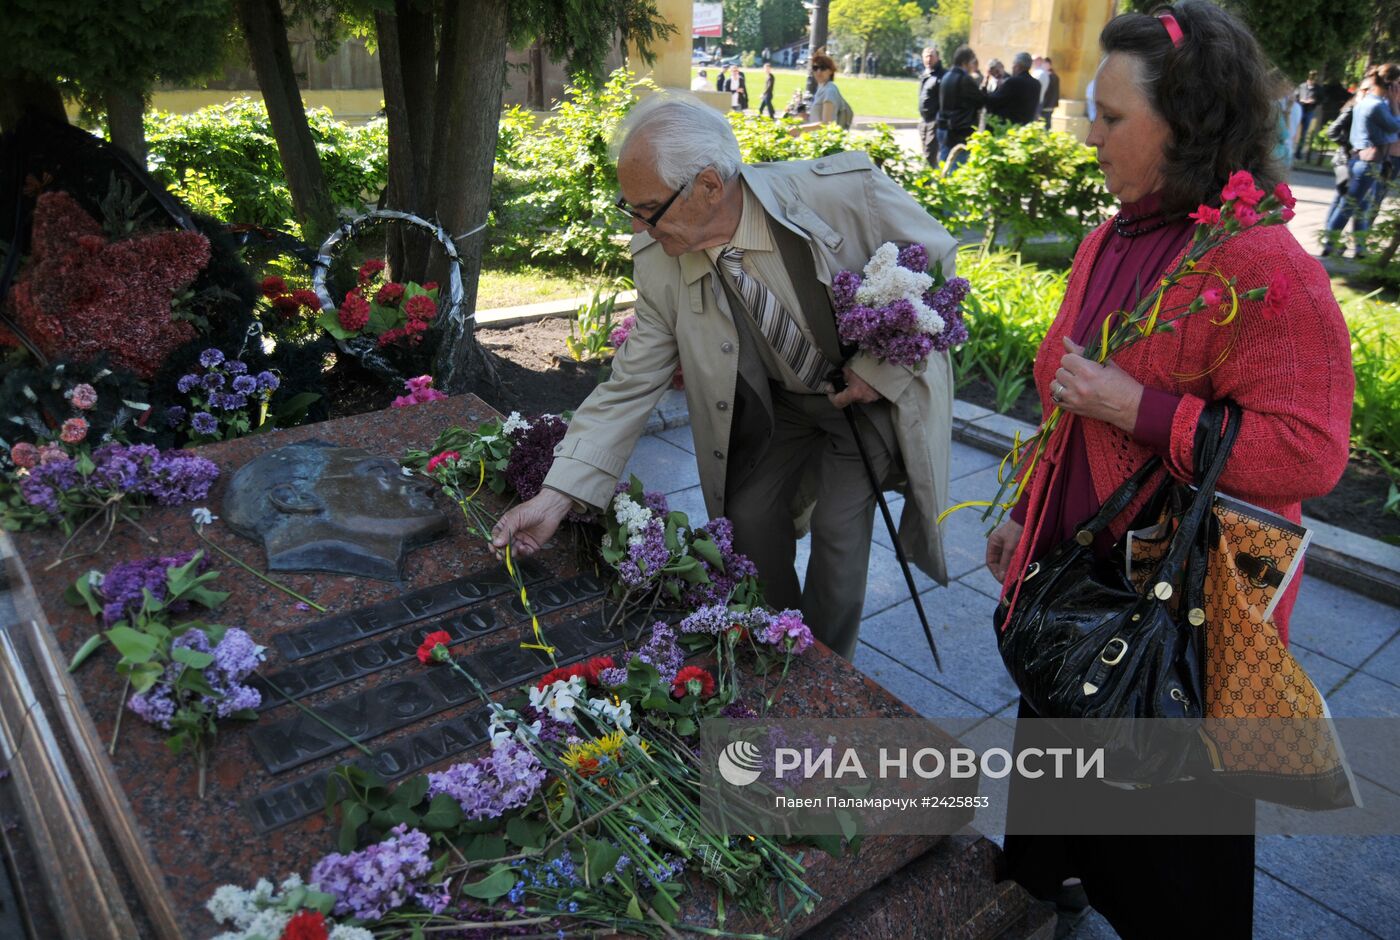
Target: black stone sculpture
x=322 y=507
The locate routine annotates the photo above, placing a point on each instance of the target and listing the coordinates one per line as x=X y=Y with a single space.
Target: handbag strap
x=1216 y=413
x=1116 y=503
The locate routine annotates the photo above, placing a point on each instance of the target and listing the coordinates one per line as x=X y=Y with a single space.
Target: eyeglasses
x=650 y=222
x=820 y=68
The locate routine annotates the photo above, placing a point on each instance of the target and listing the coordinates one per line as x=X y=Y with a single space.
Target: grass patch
x=868 y=97
x=529 y=284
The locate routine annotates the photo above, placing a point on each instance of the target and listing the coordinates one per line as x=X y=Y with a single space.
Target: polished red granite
x=198 y=845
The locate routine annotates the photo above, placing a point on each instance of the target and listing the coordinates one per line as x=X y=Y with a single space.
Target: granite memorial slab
x=126 y=847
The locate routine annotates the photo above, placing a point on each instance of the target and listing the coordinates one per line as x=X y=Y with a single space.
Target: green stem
x=199 y=530
x=298 y=703
x=117 y=728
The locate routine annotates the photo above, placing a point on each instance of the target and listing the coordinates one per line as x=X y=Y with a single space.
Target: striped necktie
x=776 y=324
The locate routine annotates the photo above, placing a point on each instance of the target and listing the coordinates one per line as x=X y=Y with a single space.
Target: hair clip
x=1172 y=26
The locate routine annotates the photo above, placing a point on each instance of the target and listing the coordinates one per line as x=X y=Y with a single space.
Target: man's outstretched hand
x=856 y=390
x=528 y=526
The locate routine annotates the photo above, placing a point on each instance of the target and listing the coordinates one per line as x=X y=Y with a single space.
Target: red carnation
x=420 y=307
x=1205 y=215
x=307 y=298
x=306 y=925
x=442 y=458
x=389 y=293
x=427 y=650
x=25 y=454
x=680 y=686
x=354 y=312
x=286 y=306
x=561 y=674
x=1241 y=187
x=1277 y=297
x=1212 y=296
x=430 y=285
x=1245 y=215
x=369 y=269
x=273 y=286
x=1285 y=196
x=590 y=669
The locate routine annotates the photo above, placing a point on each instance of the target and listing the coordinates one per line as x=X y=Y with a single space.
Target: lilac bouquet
x=180 y=697
x=486 y=788
x=383 y=877
x=897 y=312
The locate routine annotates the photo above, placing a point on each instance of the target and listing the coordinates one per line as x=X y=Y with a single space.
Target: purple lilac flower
x=656 y=502
x=646 y=555
x=213 y=381
x=737 y=567
x=245 y=385
x=42 y=486
x=662 y=652
x=383 y=877
x=204 y=423
x=154 y=706
x=210 y=358
x=268 y=382
x=551 y=731
x=914 y=257
x=175 y=416
x=187 y=383
x=613 y=676
x=487 y=787
x=123 y=586
x=177 y=477
x=533 y=454
x=237 y=655
x=844 y=286
x=235 y=367
x=711 y=619
x=739 y=711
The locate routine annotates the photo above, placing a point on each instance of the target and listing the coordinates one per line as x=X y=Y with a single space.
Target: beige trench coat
x=843 y=208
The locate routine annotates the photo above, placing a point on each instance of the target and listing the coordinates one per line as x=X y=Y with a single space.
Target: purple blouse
x=1126 y=268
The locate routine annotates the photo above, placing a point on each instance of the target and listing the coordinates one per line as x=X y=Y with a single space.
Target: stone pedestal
x=671 y=69
x=125 y=847
x=1071 y=117
x=1065 y=30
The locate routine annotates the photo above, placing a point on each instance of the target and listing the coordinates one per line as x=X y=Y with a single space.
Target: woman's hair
x=823 y=61
x=685 y=134
x=1214 y=90
x=1388 y=73
x=963 y=55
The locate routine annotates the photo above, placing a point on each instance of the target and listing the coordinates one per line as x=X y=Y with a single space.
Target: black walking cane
x=839 y=382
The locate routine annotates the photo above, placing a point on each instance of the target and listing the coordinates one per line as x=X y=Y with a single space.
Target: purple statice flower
x=533 y=454
x=123 y=586
x=235 y=367
x=187 y=383
x=204 y=423
x=382 y=877
x=245 y=384
x=210 y=358
x=175 y=416
x=844 y=286
x=177 y=477
x=661 y=651
x=213 y=381
x=914 y=258
x=787 y=630
x=647 y=555
x=711 y=619
x=268 y=382
x=43 y=485
x=487 y=787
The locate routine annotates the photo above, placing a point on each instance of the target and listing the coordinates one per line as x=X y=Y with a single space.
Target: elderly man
x=1018 y=98
x=733 y=266
x=928 y=104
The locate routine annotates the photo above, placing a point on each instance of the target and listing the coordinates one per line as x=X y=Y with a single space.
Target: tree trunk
x=536 y=86
x=265 y=29
x=22 y=93
x=818 y=26
x=401 y=191
x=125 y=127
x=470 y=84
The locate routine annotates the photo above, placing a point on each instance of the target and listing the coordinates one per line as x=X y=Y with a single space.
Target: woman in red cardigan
x=1183 y=100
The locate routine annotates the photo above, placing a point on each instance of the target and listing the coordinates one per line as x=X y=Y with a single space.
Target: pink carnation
x=73 y=431
x=1285 y=196
x=1212 y=296
x=1245 y=215
x=1277 y=297
x=1241 y=187
x=442 y=458
x=1205 y=215
x=83 y=396
x=25 y=455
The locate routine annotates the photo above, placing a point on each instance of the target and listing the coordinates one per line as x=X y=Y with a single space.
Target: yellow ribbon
x=539 y=643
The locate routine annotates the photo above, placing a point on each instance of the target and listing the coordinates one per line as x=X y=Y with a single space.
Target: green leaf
x=81 y=592
x=526 y=833
x=192 y=658
x=382 y=319
x=135 y=647
x=707 y=550
x=482 y=846
x=443 y=814
x=354 y=815
x=329 y=321
x=144 y=675
x=93 y=643
x=493 y=886
x=634 y=910
x=685 y=726
x=665 y=905
x=600 y=857
x=411 y=792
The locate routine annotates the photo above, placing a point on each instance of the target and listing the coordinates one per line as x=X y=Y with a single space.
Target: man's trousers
x=809 y=432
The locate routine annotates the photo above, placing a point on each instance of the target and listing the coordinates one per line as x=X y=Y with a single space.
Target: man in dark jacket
x=1051 y=101
x=959 y=101
x=1018 y=98
x=928 y=103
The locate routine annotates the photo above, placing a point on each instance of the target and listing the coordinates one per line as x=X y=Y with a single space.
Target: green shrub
x=1026 y=181
x=1008 y=311
x=223 y=161
x=1375 y=357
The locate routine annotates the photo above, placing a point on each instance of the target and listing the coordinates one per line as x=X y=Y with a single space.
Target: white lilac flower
x=886 y=281
x=631 y=515
x=202 y=516
x=559 y=698
x=347 y=932
x=514 y=423
x=269 y=923
x=232 y=904
x=94 y=579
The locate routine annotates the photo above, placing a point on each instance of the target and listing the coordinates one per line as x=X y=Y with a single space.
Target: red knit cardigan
x=1290 y=373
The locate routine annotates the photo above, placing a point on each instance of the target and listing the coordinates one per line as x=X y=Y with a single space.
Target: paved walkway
x=1320 y=887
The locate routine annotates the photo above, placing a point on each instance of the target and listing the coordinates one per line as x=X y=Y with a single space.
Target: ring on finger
x=1056 y=390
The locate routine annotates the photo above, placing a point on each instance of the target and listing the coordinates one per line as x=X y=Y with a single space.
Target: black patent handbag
x=1111 y=667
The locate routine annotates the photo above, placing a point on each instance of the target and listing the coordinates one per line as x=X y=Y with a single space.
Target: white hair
x=685 y=134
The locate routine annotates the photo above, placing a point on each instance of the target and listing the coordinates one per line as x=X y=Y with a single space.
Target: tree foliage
x=743 y=25
x=884 y=27
x=781 y=22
